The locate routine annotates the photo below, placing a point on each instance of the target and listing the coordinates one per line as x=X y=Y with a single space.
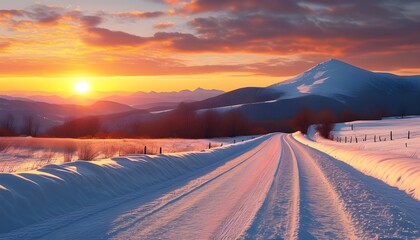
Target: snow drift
x=391 y=168
x=30 y=197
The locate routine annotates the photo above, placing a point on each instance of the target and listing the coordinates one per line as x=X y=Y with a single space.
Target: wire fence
x=360 y=137
x=17 y=158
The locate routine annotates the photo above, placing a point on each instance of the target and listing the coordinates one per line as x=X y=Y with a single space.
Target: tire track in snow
x=220 y=210
x=279 y=215
x=376 y=209
x=322 y=214
x=156 y=216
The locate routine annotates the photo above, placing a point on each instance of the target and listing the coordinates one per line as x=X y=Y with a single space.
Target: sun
x=82 y=87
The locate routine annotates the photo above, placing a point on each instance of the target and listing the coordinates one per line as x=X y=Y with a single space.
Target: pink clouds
x=106 y=38
x=139 y=15
x=384 y=32
x=163 y=25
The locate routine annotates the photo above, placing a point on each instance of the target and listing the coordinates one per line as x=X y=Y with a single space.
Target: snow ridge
x=31 y=197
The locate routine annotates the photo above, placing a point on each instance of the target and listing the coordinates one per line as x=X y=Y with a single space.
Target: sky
x=170 y=45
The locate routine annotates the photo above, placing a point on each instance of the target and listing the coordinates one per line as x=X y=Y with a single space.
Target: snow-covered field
x=23 y=154
x=270 y=187
x=396 y=161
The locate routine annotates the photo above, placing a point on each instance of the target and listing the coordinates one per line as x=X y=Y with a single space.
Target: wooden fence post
x=390 y=135
x=145 y=150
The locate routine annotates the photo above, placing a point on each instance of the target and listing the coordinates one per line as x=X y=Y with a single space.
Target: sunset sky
x=145 y=45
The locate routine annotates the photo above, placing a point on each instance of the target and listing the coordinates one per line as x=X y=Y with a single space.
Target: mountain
x=332 y=78
x=239 y=96
x=143 y=100
x=333 y=85
x=139 y=100
x=46 y=115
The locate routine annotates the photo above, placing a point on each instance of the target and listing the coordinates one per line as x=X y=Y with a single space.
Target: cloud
x=106 y=38
x=10 y=13
x=199 y=6
x=91 y=21
x=163 y=25
x=135 y=15
x=39 y=16
x=169 y=2
x=384 y=32
x=4 y=45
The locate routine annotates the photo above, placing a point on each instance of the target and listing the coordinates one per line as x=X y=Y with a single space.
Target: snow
x=26 y=153
x=33 y=196
x=393 y=162
x=270 y=187
x=330 y=78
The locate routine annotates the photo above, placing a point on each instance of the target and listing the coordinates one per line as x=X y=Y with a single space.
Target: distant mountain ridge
x=140 y=100
x=47 y=115
x=333 y=85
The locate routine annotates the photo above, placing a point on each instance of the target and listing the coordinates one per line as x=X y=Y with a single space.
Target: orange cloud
x=163 y=25
x=51 y=40
x=106 y=38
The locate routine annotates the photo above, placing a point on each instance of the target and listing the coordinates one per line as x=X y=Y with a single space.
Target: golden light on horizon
x=82 y=86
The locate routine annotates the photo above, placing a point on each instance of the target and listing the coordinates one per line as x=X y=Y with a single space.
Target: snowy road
x=279 y=189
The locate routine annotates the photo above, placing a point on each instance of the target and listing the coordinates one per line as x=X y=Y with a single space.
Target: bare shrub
x=68 y=152
x=48 y=156
x=109 y=151
x=130 y=149
x=87 y=152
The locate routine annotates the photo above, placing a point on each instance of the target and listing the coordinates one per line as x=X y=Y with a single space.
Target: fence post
x=374 y=139
x=345 y=139
x=145 y=150
x=356 y=139
x=160 y=150
x=408 y=135
x=352 y=128
x=351 y=139
x=365 y=137
x=234 y=141
x=390 y=135
x=209 y=145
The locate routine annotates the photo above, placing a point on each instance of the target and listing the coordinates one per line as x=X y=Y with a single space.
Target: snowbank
x=394 y=169
x=30 y=197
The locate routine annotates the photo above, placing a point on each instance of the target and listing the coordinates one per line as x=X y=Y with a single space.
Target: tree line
x=29 y=126
x=185 y=122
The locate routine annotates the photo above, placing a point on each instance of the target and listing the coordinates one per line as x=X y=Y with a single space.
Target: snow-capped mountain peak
x=329 y=78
